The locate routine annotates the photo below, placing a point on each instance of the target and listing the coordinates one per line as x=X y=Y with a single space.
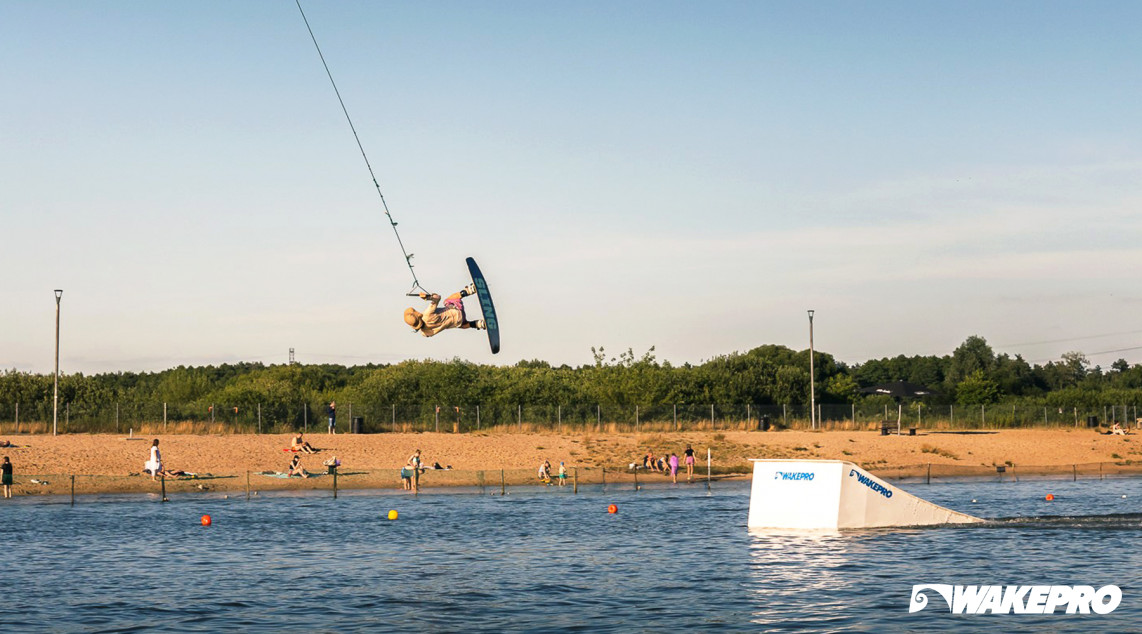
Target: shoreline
x=110 y=463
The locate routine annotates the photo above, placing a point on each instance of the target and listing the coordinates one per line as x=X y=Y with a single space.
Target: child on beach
x=155 y=463
x=6 y=477
x=562 y=474
x=689 y=460
x=673 y=467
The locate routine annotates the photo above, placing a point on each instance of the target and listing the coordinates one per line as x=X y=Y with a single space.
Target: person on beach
x=300 y=445
x=331 y=411
x=6 y=477
x=651 y=461
x=436 y=319
x=562 y=474
x=1117 y=429
x=545 y=472
x=689 y=460
x=295 y=468
x=673 y=467
x=155 y=463
x=414 y=464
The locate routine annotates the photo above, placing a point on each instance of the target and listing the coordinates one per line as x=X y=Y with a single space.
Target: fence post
x=164 y=419
x=707 y=468
x=598 y=417
x=519 y=415
x=394 y=418
x=117 y=418
x=477 y=418
x=18 y=417
x=559 y=414
x=713 y=423
x=636 y=419
x=676 y=417
x=259 y=418
x=436 y=418
x=305 y=417
x=748 y=417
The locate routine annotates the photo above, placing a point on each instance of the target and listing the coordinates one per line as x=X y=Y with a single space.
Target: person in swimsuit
x=673 y=467
x=436 y=319
x=295 y=468
x=414 y=466
x=689 y=460
x=300 y=445
x=6 y=477
x=562 y=474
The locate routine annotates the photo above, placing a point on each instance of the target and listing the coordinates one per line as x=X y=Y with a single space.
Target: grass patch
x=926 y=448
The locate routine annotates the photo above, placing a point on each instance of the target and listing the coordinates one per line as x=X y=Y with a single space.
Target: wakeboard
x=486 y=305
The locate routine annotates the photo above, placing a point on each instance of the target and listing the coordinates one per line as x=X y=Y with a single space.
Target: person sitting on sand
x=300 y=445
x=295 y=468
x=6 y=443
x=1117 y=430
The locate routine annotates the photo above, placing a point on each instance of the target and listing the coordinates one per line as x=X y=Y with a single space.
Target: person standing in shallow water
x=6 y=477
x=689 y=460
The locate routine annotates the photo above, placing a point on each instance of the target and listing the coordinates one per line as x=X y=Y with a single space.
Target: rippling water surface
x=545 y=559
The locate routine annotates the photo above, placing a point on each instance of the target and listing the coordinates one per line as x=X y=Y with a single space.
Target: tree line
x=973 y=374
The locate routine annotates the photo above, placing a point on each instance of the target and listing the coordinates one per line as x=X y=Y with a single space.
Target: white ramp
x=834 y=494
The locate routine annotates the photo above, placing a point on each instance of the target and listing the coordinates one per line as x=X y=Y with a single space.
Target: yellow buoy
x=392 y=515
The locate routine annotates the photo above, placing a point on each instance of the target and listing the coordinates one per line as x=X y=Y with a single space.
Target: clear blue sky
x=686 y=175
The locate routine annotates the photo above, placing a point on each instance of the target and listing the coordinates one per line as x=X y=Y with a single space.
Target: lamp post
x=55 y=389
x=812 y=381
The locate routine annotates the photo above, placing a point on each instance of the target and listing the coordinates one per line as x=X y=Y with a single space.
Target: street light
x=812 y=387
x=55 y=390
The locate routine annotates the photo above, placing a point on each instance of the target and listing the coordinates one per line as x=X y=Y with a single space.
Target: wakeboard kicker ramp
x=834 y=494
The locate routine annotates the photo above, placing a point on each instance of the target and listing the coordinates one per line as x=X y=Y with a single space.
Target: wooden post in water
x=576 y=482
x=928 y=478
x=707 y=468
x=636 y=481
x=73 y=490
x=503 y=486
x=247 y=485
x=334 y=468
x=604 y=478
x=162 y=483
x=1074 y=473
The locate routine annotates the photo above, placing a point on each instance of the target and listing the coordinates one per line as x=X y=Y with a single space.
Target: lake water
x=543 y=559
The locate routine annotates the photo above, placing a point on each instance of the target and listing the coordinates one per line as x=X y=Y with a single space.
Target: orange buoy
x=392 y=515
x=1050 y=497
x=612 y=509
x=206 y=520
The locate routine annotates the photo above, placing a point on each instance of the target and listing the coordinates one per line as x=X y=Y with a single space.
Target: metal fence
x=139 y=417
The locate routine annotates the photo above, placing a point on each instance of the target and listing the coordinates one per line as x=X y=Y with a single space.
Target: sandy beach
x=113 y=463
